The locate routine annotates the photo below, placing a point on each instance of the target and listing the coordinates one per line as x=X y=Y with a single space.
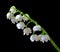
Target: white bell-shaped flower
x=37 y=38
x=34 y=37
x=18 y=18
x=9 y=15
x=37 y=28
x=27 y=31
x=25 y=18
x=13 y=9
x=44 y=38
x=20 y=25
x=13 y=20
x=47 y=38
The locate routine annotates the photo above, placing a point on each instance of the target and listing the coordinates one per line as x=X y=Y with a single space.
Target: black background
x=46 y=13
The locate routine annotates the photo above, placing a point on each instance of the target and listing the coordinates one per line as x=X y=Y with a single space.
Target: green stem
x=28 y=17
x=44 y=31
x=55 y=46
x=28 y=23
x=52 y=42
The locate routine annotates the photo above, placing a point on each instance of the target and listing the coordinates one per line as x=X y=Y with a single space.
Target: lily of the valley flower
x=25 y=18
x=18 y=18
x=37 y=28
x=44 y=38
x=13 y=20
x=34 y=37
x=20 y=25
x=13 y=9
x=27 y=31
x=9 y=15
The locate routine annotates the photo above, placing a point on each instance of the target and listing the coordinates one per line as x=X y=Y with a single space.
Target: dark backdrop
x=46 y=13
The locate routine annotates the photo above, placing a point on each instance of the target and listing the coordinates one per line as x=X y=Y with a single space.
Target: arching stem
x=43 y=30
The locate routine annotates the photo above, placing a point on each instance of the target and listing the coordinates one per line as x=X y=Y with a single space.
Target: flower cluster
x=19 y=21
x=17 y=18
x=40 y=37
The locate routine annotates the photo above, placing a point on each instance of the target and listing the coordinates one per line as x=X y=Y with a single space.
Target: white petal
x=27 y=31
x=47 y=38
x=37 y=28
x=44 y=38
x=9 y=15
x=23 y=33
x=32 y=38
x=36 y=38
x=20 y=25
x=18 y=17
x=13 y=20
x=25 y=18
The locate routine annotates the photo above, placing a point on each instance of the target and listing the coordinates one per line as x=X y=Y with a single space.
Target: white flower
x=9 y=15
x=20 y=25
x=37 y=28
x=13 y=9
x=47 y=38
x=44 y=38
x=37 y=38
x=27 y=31
x=25 y=18
x=13 y=20
x=34 y=37
x=18 y=18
